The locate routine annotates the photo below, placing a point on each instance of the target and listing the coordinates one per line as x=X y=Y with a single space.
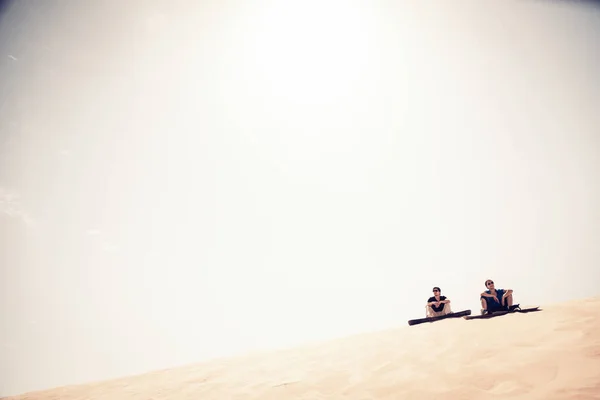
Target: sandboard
x=433 y=319
x=500 y=313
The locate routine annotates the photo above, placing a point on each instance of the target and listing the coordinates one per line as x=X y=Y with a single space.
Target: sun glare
x=307 y=57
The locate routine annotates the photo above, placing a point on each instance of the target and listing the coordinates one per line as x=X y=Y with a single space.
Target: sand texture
x=552 y=354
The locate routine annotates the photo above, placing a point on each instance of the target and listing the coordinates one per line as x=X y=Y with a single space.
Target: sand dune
x=553 y=354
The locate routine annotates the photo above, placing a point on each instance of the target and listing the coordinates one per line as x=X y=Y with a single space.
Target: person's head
x=489 y=284
x=436 y=291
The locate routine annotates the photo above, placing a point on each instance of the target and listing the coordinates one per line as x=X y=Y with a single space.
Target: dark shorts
x=493 y=306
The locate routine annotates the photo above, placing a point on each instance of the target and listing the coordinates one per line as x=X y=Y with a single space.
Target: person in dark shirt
x=495 y=299
x=437 y=305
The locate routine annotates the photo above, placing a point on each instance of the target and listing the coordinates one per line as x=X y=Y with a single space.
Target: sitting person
x=496 y=299
x=437 y=305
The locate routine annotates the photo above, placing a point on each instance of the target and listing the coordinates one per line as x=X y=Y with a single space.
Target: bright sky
x=186 y=182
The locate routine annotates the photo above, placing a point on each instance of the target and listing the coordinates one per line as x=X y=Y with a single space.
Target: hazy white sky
x=180 y=182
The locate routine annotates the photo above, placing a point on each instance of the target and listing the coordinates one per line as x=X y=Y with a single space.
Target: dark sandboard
x=433 y=319
x=500 y=313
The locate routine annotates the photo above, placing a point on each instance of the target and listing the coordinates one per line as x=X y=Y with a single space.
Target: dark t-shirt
x=437 y=308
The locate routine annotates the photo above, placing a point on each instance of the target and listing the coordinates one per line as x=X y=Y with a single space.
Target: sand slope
x=553 y=354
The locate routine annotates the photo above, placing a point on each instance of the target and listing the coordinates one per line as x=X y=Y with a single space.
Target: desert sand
x=552 y=354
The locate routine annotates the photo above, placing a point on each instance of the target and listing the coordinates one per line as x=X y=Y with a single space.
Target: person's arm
x=507 y=292
x=434 y=302
x=484 y=294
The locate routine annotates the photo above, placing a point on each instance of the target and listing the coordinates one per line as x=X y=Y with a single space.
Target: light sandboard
x=433 y=319
x=500 y=313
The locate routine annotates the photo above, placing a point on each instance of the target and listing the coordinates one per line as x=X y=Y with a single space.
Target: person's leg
x=507 y=301
x=431 y=313
x=447 y=309
x=484 y=305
